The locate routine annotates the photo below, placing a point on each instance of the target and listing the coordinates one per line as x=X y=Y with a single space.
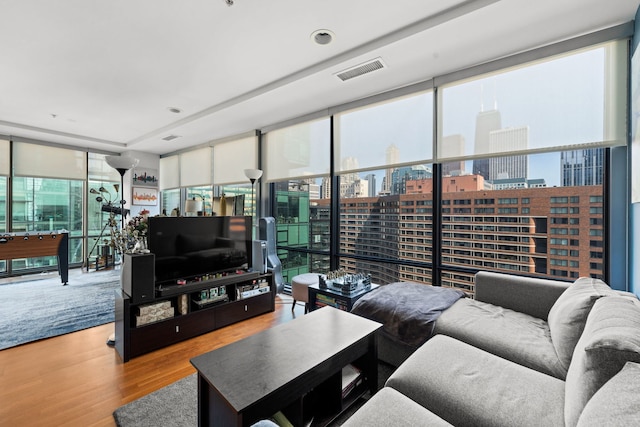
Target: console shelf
x=189 y=310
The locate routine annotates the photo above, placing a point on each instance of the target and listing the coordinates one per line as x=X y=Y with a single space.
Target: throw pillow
x=616 y=403
x=569 y=313
x=611 y=338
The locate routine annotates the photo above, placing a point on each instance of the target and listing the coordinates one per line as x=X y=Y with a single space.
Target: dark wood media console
x=201 y=305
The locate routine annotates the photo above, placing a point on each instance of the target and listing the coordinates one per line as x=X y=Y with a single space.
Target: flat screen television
x=187 y=247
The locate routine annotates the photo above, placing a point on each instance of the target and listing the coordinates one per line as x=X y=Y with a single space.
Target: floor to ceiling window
x=297 y=160
x=382 y=154
x=507 y=209
x=48 y=190
x=521 y=155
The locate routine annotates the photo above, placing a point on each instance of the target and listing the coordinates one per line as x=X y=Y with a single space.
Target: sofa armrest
x=533 y=296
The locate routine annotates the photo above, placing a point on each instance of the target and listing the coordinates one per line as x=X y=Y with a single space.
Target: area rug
x=175 y=405
x=43 y=308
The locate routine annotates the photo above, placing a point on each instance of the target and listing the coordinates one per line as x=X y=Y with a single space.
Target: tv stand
x=229 y=299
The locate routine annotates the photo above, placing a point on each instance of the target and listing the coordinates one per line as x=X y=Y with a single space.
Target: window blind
x=299 y=151
x=196 y=167
x=389 y=133
x=4 y=157
x=231 y=158
x=33 y=160
x=169 y=172
x=567 y=102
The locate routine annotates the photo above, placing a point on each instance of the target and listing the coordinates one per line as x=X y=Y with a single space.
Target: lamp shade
x=192 y=206
x=253 y=174
x=121 y=163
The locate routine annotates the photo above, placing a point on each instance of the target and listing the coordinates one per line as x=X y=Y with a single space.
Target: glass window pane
x=388 y=225
x=573 y=99
x=298 y=151
x=389 y=133
x=42 y=204
x=523 y=241
x=302 y=216
x=170 y=201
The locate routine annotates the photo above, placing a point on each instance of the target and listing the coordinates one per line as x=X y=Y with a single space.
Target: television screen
x=185 y=247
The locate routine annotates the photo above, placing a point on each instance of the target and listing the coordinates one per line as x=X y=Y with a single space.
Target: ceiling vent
x=170 y=137
x=358 y=70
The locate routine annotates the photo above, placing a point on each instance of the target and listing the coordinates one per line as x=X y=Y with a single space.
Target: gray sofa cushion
x=569 y=314
x=515 y=336
x=610 y=339
x=390 y=408
x=616 y=404
x=467 y=386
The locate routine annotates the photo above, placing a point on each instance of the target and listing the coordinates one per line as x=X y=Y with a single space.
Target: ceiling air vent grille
x=359 y=70
x=170 y=137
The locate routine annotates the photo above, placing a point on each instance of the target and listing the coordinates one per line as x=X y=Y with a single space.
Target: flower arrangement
x=133 y=238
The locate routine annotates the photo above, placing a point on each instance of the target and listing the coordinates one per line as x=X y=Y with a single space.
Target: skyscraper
x=392 y=158
x=582 y=167
x=486 y=122
x=505 y=140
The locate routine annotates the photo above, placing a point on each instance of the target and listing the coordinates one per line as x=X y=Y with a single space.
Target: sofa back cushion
x=616 y=402
x=568 y=315
x=610 y=339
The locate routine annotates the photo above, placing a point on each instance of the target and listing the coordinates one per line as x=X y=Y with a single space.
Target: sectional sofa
x=524 y=352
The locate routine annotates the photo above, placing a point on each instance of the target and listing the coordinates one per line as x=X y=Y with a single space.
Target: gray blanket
x=408 y=311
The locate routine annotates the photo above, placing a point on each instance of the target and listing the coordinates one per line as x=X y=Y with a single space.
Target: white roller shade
x=99 y=170
x=389 y=133
x=196 y=167
x=568 y=102
x=4 y=157
x=169 y=172
x=299 y=151
x=35 y=160
x=231 y=158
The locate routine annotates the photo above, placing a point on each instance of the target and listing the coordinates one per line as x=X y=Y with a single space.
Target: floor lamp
x=253 y=175
x=122 y=164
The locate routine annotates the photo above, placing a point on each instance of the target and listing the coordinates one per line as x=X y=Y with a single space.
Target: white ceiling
x=103 y=74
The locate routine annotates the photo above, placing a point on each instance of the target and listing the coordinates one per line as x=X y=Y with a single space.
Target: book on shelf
x=351 y=378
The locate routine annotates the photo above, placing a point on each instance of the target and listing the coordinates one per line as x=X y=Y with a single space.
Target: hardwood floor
x=77 y=380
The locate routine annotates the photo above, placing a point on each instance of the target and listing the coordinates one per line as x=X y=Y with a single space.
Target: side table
x=319 y=298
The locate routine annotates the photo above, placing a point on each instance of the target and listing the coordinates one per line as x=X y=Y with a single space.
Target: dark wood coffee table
x=283 y=367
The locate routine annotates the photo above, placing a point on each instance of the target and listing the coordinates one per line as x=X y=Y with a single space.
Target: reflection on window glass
x=43 y=204
x=302 y=216
x=203 y=196
x=3 y=215
x=170 y=202
x=238 y=199
x=102 y=197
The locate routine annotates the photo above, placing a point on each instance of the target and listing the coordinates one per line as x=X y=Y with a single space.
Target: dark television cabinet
x=235 y=302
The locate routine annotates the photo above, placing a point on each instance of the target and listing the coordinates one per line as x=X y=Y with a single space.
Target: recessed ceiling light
x=322 y=37
x=174 y=110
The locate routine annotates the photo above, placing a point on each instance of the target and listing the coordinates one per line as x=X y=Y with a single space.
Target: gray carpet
x=43 y=308
x=176 y=405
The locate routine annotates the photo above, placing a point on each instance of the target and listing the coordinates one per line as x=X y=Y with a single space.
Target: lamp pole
x=122 y=164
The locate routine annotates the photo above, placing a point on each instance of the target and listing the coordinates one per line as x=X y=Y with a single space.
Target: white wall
x=146 y=161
